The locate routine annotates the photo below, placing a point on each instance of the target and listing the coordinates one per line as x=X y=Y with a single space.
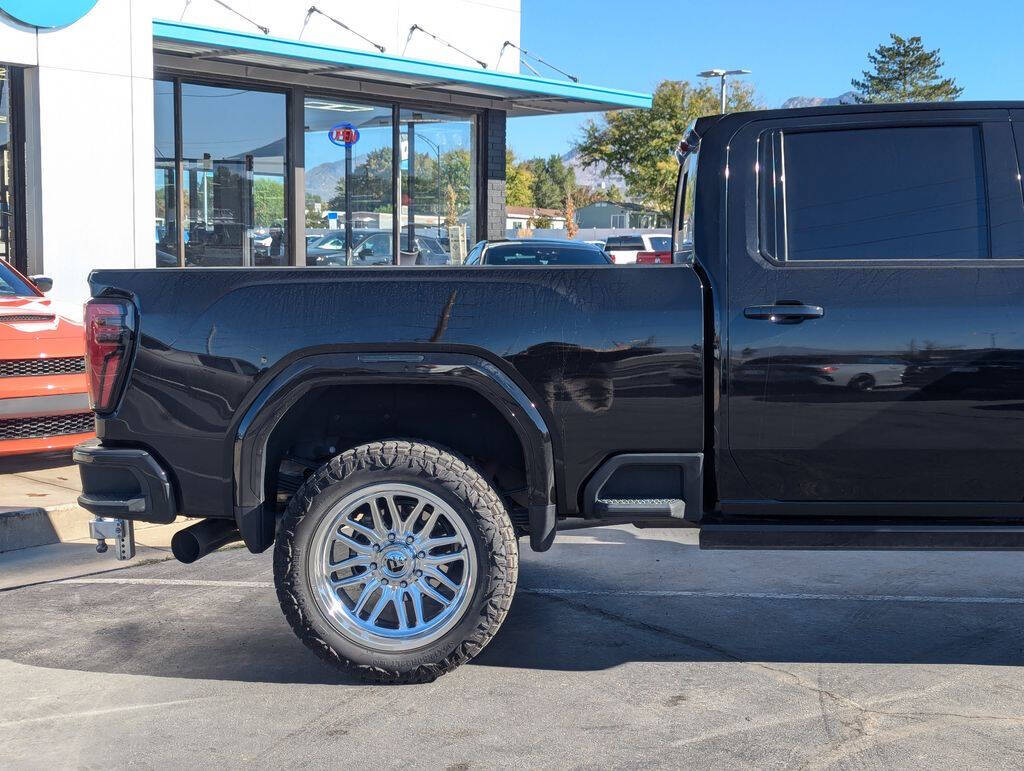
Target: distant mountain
x=850 y=97
x=322 y=179
x=596 y=176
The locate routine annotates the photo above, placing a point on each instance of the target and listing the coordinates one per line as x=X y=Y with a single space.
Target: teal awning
x=518 y=94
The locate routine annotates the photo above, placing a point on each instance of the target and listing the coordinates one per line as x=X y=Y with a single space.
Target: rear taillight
x=653 y=258
x=109 y=329
x=611 y=256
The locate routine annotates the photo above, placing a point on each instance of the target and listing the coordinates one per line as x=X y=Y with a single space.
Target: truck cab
x=865 y=267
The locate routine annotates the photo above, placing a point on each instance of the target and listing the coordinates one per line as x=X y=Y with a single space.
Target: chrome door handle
x=783 y=313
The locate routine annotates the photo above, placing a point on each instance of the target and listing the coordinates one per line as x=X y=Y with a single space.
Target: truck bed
x=611 y=356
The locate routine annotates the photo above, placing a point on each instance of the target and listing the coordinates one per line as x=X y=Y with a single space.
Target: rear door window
x=624 y=243
x=530 y=254
x=903 y=193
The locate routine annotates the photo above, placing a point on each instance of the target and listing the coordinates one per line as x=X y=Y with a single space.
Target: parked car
x=391 y=433
x=374 y=247
x=809 y=372
x=536 y=251
x=624 y=249
x=44 y=404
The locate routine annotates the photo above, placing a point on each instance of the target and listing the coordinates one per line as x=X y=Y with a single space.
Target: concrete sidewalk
x=39 y=501
x=48 y=481
x=44 y=533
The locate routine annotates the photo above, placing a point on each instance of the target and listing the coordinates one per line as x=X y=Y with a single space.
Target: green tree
x=315 y=211
x=612 y=193
x=267 y=202
x=639 y=144
x=551 y=179
x=456 y=171
x=370 y=181
x=905 y=72
x=518 y=181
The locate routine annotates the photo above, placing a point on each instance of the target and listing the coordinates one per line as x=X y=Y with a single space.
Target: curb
x=28 y=526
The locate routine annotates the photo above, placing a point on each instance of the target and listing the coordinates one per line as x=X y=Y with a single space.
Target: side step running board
x=785 y=535
x=639 y=507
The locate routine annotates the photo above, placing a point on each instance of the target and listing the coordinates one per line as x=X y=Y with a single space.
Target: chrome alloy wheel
x=392 y=566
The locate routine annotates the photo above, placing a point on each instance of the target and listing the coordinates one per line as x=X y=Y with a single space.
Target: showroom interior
x=208 y=134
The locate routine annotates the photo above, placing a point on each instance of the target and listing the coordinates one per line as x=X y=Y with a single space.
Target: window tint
x=11 y=284
x=883 y=194
x=661 y=243
x=625 y=242
x=529 y=254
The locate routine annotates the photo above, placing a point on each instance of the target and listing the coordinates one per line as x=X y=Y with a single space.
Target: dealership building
x=148 y=133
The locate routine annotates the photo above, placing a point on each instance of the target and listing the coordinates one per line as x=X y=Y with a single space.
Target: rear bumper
x=124 y=483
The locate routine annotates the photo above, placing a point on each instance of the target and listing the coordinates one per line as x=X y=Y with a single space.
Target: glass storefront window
x=233 y=156
x=8 y=177
x=232 y=165
x=166 y=230
x=349 y=187
x=221 y=171
x=438 y=183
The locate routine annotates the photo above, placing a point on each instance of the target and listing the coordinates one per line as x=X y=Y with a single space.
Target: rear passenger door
x=876 y=308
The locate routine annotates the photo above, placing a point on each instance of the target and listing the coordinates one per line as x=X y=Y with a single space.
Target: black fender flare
x=256 y=516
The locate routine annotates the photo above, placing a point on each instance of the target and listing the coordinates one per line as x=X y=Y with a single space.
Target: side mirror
x=42 y=283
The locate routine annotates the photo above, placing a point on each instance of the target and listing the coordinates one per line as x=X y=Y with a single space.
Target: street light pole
x=721 y=75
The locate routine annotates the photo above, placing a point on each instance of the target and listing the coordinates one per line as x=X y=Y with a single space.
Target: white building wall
x=89 y=139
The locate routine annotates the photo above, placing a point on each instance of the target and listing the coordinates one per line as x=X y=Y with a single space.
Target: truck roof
x=733 y=121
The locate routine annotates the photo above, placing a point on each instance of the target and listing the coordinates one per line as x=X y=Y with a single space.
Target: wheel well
x=333 y=418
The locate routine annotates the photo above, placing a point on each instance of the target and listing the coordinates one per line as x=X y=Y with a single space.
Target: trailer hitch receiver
x=121 y=531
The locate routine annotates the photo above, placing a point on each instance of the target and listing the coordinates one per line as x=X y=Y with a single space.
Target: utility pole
x=721 y=75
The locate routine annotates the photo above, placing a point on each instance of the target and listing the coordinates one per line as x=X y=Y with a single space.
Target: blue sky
x=793 y=47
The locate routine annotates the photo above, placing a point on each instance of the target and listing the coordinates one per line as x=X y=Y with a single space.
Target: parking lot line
x=908 y=598
x=93 y=713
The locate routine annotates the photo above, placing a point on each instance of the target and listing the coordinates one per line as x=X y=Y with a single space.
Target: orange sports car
x=44 y=401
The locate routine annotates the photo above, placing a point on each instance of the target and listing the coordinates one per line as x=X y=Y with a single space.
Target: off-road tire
x=445 y=474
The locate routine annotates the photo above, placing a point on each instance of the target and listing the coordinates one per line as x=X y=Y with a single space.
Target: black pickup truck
x=833 y=359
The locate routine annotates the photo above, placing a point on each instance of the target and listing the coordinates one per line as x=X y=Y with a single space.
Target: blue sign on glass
x=343 y=134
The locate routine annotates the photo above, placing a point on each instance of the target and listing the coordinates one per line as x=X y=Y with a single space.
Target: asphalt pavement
x=624 y=648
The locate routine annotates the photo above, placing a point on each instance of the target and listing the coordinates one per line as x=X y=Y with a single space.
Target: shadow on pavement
x=238 y=633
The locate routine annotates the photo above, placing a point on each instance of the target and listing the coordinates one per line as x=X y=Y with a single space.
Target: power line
x=313 y=9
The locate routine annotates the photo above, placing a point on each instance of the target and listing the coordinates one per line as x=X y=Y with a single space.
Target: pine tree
x=905 y=72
